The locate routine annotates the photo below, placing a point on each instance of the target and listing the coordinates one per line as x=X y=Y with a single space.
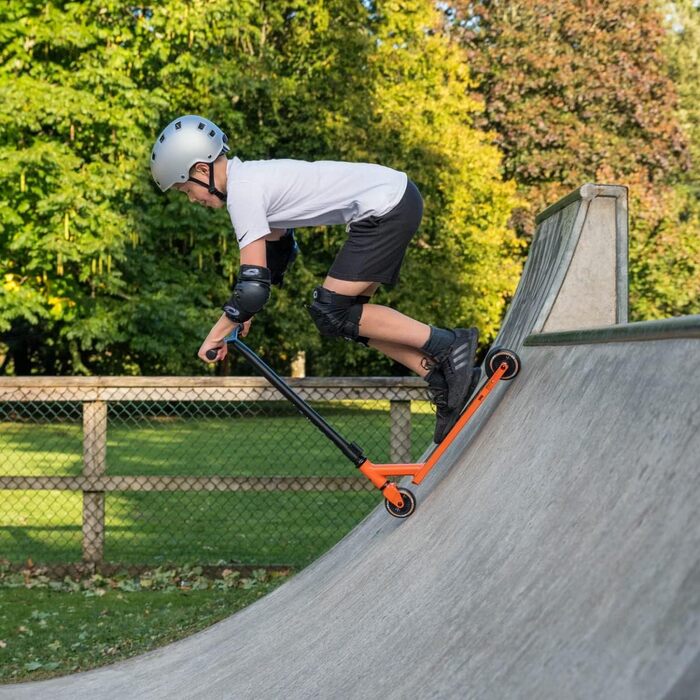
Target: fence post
x=400 y=440
x=94 y=464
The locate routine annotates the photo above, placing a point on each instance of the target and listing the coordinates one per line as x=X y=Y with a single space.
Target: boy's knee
x=337 y=315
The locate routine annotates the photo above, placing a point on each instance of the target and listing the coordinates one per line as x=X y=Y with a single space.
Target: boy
x=381 y=209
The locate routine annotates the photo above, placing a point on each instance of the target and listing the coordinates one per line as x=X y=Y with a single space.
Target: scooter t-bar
x=500 y=363
x=352 y=451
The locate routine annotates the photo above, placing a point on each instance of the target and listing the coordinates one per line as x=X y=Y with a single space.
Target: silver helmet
x=185 y=141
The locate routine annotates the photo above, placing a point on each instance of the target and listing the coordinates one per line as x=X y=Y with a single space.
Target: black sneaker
x=446 y=418
x=437 y=388
x=456 y=364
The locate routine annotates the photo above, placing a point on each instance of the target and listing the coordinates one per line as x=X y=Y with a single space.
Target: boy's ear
x=199 y=169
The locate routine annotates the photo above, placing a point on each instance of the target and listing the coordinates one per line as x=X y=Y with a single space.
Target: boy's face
x=199 y=195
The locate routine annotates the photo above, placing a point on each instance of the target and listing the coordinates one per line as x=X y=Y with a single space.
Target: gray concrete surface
x=575 y=275
x=555 y=551
x=594 y=264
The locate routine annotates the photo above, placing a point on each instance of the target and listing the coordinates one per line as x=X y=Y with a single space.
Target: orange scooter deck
x=378 y=473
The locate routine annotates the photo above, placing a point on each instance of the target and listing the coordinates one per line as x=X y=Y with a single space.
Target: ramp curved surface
x=555 y=551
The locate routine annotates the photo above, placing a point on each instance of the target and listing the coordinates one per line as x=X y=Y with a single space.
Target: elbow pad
x=280 y=255
x=250 y=294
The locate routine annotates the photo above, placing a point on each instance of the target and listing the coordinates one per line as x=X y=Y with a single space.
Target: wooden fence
x=96 y=393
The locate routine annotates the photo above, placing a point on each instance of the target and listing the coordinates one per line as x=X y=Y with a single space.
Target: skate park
x=555 y=549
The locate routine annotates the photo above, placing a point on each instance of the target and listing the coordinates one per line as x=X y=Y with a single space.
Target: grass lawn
x=289 y=528
x=46 y=633
x=240 y=444
x=53 y=628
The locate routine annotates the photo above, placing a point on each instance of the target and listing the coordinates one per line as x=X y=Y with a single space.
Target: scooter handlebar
x=211 y=354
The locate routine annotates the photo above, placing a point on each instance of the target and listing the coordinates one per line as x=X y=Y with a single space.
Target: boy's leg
x=412 y=358
x=382 y=323
x=410 y=342
x=443 y=358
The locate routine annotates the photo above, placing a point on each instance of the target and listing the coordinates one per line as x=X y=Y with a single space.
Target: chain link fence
x=213 y=471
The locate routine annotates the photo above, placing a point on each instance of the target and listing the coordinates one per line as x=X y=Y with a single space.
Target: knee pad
x=337 y=315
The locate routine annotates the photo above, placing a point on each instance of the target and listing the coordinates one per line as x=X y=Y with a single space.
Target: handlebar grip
x=211 y=354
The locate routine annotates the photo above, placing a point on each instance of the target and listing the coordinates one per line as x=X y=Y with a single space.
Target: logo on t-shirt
x=240 y=238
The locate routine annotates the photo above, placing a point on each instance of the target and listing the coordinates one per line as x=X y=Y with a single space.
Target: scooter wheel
x=409 y=505
x=496 y=356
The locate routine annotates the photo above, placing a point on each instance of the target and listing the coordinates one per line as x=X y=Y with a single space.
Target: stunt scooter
x=500 y=364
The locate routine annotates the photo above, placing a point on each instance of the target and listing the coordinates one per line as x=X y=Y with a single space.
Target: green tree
x=578 y=92
x=683 y=50
x=102 y=273
x=666 y=266
x=426 y=110
x=409 y=108
x=62 y=229
x=665 y=258
x=665 y=252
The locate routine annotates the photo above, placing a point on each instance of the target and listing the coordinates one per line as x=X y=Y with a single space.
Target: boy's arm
x=215 y=339
x=252 y=254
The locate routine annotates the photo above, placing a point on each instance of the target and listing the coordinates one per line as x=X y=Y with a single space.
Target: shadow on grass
x=276 y=528
x=266 y=529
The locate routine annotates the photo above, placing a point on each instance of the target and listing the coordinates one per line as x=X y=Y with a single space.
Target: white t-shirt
x=265 y=194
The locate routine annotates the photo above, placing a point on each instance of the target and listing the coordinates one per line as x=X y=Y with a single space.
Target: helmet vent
x=200 y=126
x=153 y=156
x=212 y=133
x=162 y=138
x=178 y=126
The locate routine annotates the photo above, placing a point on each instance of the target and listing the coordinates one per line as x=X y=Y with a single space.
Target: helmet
x=185 y=141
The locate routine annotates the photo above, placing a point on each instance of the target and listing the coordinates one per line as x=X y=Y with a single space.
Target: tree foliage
x=102 y=273
x=575 y=91
x=666 y=267
x=683 y=51
x=580 y=91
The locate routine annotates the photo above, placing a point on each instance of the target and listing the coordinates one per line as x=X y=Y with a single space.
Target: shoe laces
x=438 y=396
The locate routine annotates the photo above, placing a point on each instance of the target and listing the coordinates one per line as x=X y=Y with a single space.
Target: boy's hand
x=245 y=327
x=220 y=348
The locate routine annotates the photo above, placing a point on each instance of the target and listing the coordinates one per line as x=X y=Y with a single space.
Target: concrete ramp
x=555 y=551
x=576 y=271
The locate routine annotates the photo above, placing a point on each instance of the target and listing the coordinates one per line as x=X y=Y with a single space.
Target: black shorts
x=376 y=245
